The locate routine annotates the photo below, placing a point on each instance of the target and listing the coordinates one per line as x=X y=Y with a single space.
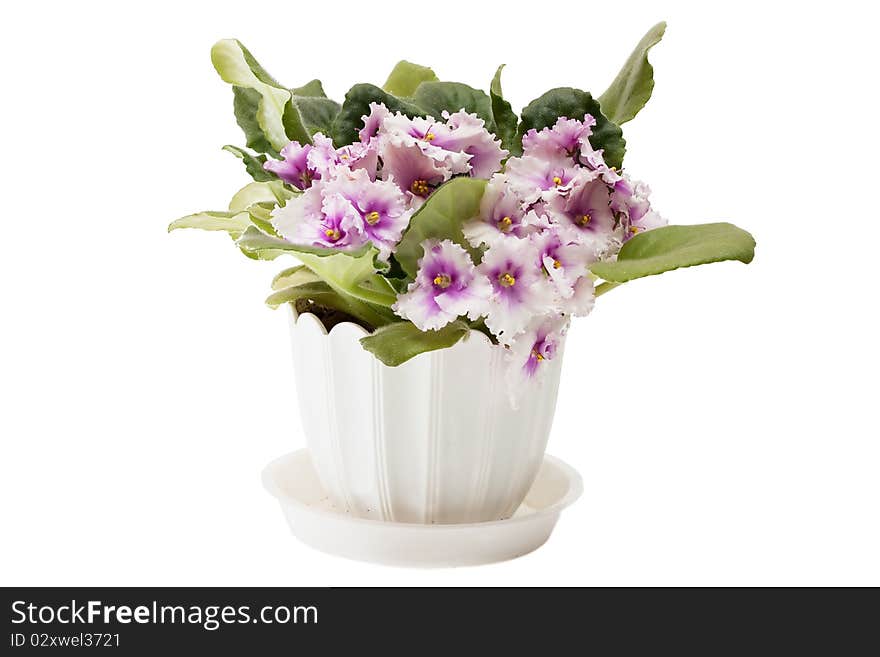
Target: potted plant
x=444 y=245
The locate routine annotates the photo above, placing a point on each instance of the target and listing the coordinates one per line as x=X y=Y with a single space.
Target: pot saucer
x=316 y=522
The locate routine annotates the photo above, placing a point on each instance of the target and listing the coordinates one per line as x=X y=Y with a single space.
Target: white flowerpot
x=434 y=440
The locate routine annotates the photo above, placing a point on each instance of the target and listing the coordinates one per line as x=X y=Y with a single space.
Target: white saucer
x=313 y=520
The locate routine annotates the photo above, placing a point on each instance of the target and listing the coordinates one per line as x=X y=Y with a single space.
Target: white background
x=724 y=419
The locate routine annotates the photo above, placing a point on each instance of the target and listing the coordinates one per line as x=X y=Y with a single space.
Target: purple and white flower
x=580 y=304
x=381 y=207
x=501 y=215
x=295 y=167
x=446 y=287
x=373 y=122
x=358 y=156
x=649 y=221
x=460 y=143
x=519 y=289
x=328 y=161
x=585 y=213
x=569 y=138
x=427 y=135
x=566 y=138
x=467 y=133
x=320 y=220
x=532 y=350
x=412 y=171
x=564 y=261
x=630 y=199
x=539 y=178
x=322 y=156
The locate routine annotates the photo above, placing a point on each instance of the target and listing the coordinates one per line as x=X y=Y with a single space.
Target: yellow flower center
x=556 y=264
x=420 y=187
x=538 y=357
x=372 y=218
x=504 y=224
x=634 y=229
x=442 y=280
x=332 y=234
x=585 y=219
x=507 y=280
x=429 y=136
x=343 y=157
x=557 y=180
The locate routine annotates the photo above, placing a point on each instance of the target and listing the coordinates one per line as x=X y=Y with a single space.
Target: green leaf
x=292 y=276
x=504 y=116
x=255 y=67
x=353 y=275
x=258 y=200
x=256 y=241
x=313 y=88
x=398 y=342
x=257 y=244
x=253 y=164
x=273 y=192
x=325 y=296
x=244 y=204
x=318 y=114
x=436 y=97
x=306 y=115
x=633 y=86
x=316 y=291
x=261 y=217
x=295 y=124
x=670 y=247
x=350 y=272
x=239 y=68
x=405 y=78
x=233 y=223
x=357 y=105
x=441 y=217
x=245 y=103
x=396 y=276
x=573 y=104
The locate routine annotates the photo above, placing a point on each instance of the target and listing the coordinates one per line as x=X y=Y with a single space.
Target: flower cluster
x=543 y=220
x=367 y=191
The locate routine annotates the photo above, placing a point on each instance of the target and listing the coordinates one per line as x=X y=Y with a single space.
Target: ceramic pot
x=434 y=440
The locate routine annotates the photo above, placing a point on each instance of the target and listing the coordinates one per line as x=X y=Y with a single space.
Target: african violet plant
x=425 y=209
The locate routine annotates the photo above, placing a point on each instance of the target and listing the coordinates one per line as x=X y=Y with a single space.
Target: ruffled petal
x=580 y=304
x=420 y=307
x=531 y=351
x=447 y=286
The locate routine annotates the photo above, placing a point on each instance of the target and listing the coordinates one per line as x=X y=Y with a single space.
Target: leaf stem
x=607 y=286
x=371 y=296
